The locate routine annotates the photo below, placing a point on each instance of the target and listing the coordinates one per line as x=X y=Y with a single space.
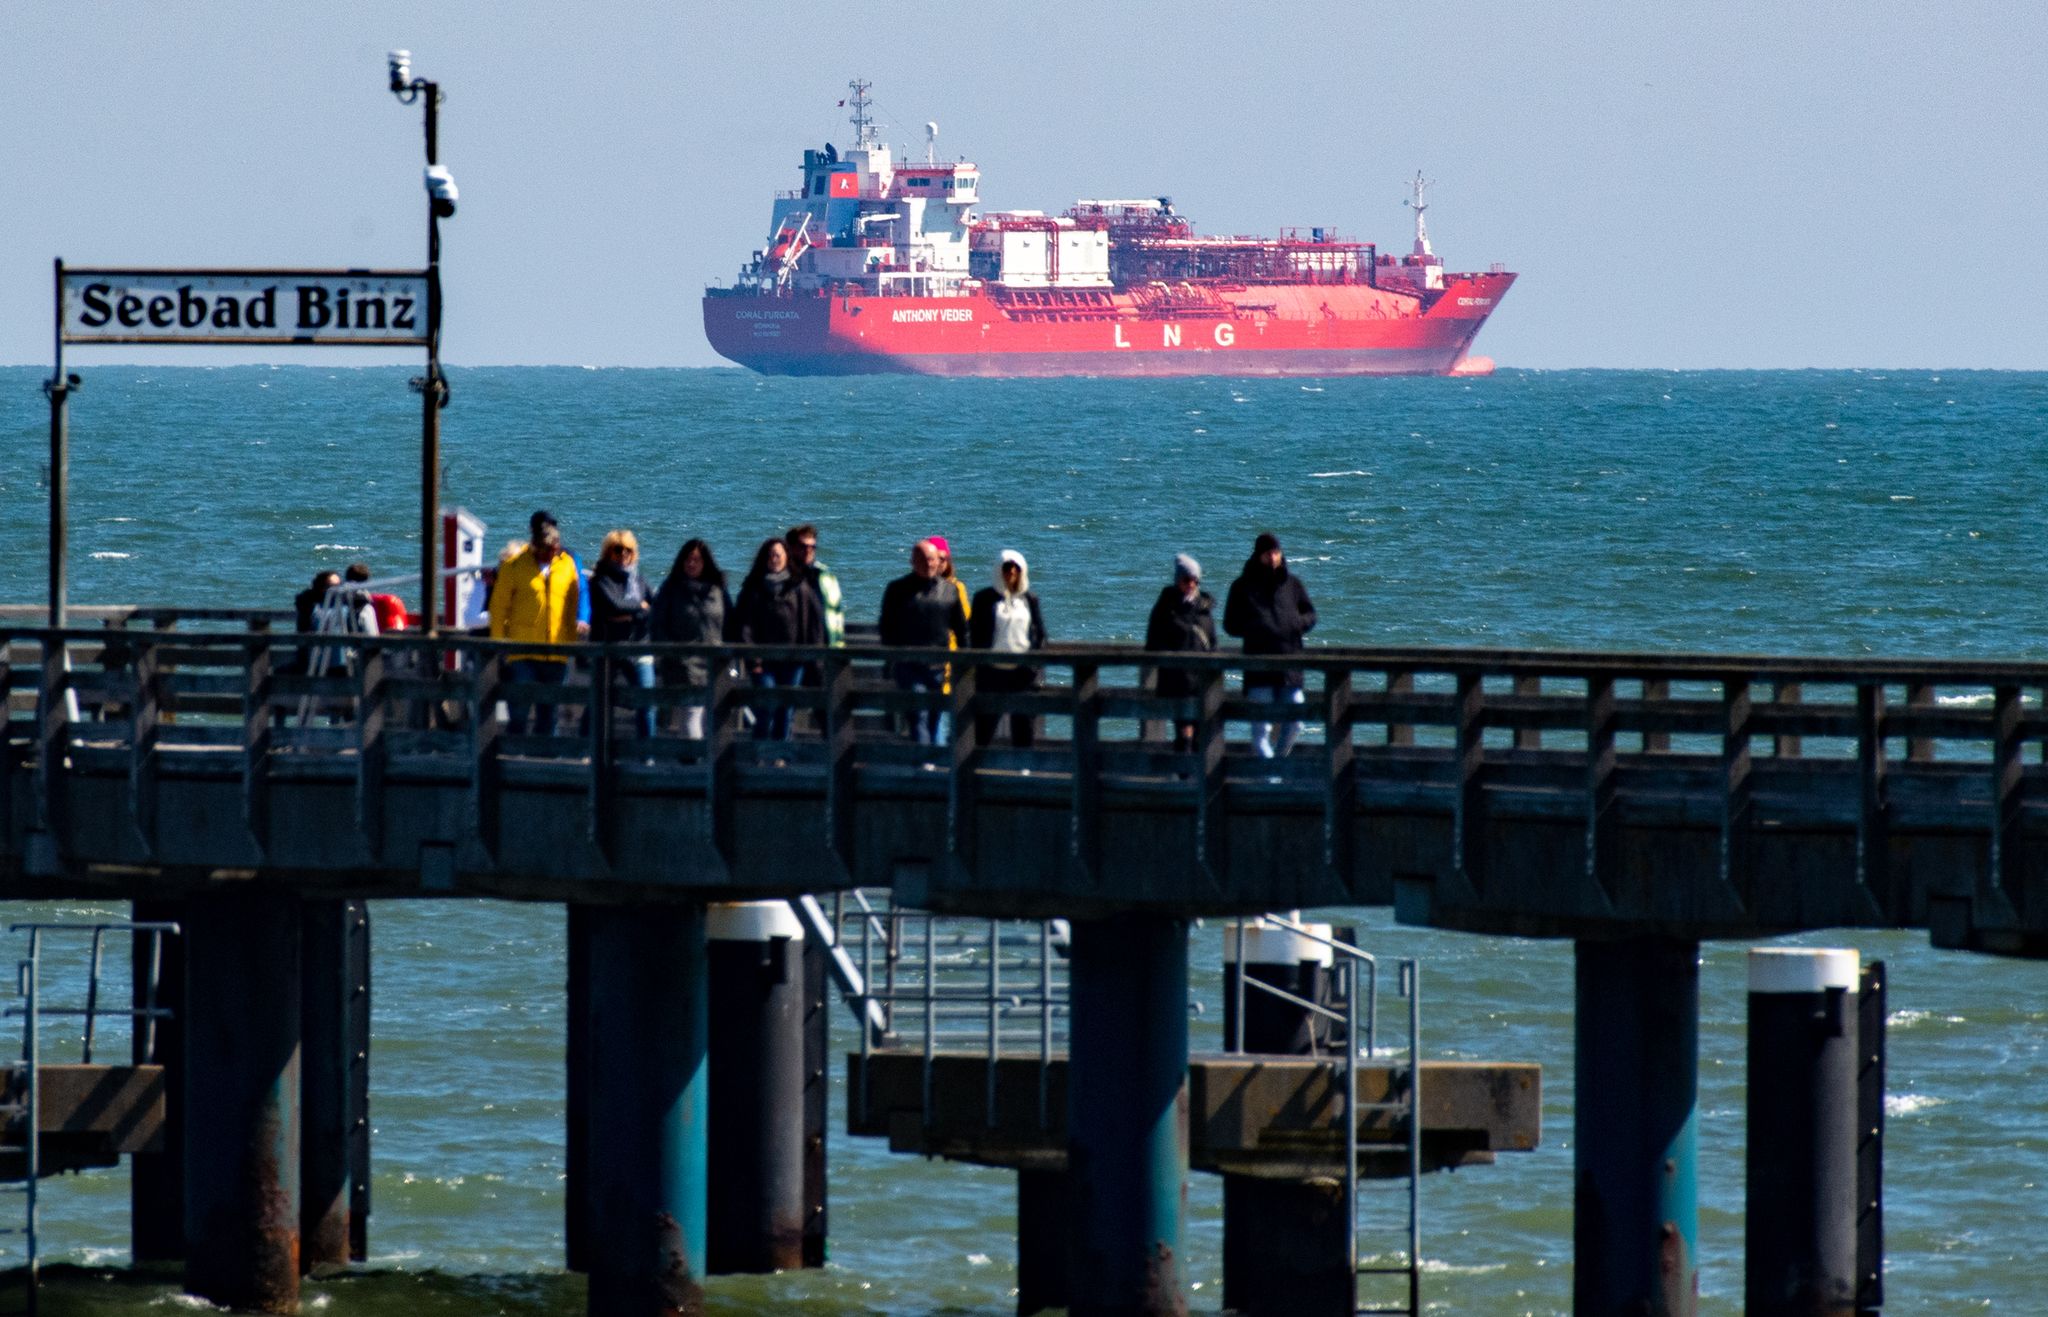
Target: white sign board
x=380 y=308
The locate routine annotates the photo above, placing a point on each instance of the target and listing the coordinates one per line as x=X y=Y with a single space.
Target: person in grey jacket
x=1183 y=621
x=691 y=610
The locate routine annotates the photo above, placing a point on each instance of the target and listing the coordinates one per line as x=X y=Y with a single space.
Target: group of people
x=539 y=595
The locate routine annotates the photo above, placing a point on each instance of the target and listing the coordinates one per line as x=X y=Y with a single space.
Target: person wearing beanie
x=1005 y=618
x=1183 y=621
x=1268 y=608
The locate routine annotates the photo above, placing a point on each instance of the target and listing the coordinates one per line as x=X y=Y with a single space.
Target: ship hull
x=1299 y=330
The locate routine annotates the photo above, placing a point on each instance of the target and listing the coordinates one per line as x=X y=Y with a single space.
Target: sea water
x=1851 y=513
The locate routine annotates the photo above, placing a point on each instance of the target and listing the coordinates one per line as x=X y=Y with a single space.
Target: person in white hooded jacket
x=1005 y=618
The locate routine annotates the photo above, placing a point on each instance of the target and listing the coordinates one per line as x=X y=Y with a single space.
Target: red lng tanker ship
x=881 y=266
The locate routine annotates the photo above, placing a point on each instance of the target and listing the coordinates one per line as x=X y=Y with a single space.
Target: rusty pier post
x=646 y=1156
x=757 y=1210
x=1286 y=1242
x=1127 y=1122
x=242 y=1025
x=1635 y=1226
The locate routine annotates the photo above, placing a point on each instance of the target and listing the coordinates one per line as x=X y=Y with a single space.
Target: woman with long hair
x=776 y=607
x=691 y=609
x=620 y=610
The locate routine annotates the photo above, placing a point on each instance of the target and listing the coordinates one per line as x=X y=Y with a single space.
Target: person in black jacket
x=1268 y=609
x=776 y=607
x=926 y=611
x=691 y=610
x=620 y=606
x=1005 y=618
x=1183 y=621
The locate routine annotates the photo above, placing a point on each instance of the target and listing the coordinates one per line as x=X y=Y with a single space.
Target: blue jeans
x=641 y=670
x=1262 y=733
x=549 y=672
x=926 y=725
x=773 y=724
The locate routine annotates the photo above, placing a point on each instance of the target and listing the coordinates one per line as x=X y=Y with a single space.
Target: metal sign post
x=361 y=308
x=58 y=389
x=433 y=387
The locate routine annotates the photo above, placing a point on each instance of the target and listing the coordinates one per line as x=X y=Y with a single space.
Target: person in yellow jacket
x=537 y=598
x=952 y=641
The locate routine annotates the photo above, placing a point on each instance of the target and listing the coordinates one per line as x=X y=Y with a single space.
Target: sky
x=1735 y=185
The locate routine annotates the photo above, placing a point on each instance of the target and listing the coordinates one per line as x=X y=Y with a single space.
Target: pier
x=1636 y=804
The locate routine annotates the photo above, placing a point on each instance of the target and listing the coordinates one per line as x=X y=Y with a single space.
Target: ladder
x=1352 y=965
x=27 y=1072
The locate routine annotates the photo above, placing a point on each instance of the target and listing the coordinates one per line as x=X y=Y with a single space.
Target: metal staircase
x=996 y=988
x=23 y=1109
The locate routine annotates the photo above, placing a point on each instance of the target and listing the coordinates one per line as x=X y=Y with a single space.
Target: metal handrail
x=28 y=985
x=962 y=997
x=1410 y=983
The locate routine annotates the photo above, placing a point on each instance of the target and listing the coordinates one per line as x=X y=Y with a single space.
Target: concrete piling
x=1635 y=1228
x=755 y=972
x=647 y=1156
x=1800 y=1225
x=242 y=980
x=1286 y=1243
x=1127 y=1099
x=156 y=1186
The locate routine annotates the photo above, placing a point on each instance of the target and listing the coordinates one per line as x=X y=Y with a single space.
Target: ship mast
x=1418 y=205
x=864 y=135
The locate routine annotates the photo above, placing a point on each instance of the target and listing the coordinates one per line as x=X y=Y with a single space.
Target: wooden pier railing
x=1548 y=793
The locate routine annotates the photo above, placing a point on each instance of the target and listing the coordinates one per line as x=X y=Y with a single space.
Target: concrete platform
x=1276 y=1116
x=91 y=1115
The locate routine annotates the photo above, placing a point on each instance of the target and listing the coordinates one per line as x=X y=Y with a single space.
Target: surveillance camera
x=441 y=187
x=401 y=69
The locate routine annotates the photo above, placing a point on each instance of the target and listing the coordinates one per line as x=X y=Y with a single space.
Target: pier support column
x=334 y=1010
x=242 y=1100
x=1127 y=1104
x=756 y=977
x=1286 y=1243
x=1635 y=1226
x=576 y=1091
x=647 y=1163
x=1799 y=1231
x=819 y=1001
x=156 y=1187
x=1043 y=1214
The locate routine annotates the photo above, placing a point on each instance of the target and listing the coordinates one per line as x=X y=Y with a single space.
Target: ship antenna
x=863 y=125
x=931 y=143
x=1418 y=205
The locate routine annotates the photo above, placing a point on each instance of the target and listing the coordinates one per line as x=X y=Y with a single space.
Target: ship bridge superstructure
x=865 y=218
